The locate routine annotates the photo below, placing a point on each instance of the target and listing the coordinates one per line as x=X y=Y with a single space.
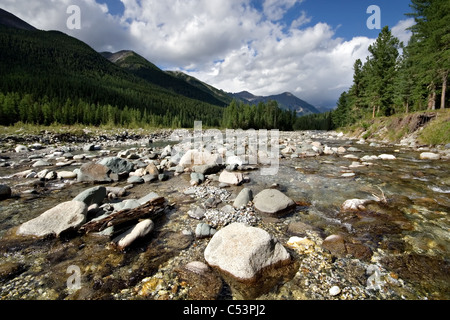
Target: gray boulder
x=273 y=202
x=204 y=230
x=65 y=216
x=231 y=178
x=94 y=172
x=243 y=251
x=243 y=198
x=92 y=195
x=117 y=165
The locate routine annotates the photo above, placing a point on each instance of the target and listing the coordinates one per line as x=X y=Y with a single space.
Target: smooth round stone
x=334 y=291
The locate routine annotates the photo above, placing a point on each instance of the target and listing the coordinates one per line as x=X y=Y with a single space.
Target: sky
x=306 y=47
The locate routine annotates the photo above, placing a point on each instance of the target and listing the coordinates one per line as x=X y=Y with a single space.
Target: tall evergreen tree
x=431 y=48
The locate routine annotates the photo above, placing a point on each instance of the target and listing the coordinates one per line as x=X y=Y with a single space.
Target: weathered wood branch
x=150 y=210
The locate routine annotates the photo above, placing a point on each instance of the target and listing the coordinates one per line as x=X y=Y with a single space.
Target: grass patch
x=437 y=131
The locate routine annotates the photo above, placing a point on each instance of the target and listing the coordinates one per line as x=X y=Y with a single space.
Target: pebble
x=334 y=291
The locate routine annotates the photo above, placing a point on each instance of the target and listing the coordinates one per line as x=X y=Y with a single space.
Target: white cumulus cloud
x=228 y=44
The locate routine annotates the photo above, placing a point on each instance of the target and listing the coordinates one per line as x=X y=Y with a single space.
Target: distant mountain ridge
x=178 y=82
x=286 y=101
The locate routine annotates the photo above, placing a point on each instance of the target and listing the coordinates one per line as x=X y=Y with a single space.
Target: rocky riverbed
x=137 y=216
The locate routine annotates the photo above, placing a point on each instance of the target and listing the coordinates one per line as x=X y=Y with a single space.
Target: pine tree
x=431 y=48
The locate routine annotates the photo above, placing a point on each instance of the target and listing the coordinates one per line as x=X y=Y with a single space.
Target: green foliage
x=262 y=116
x=389 y=83
x=319 y=121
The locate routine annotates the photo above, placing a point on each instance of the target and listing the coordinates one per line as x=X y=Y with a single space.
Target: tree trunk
x=150 y=210
x=432 y=98
x=444 y=89
x=373 y=112
x=406 y=107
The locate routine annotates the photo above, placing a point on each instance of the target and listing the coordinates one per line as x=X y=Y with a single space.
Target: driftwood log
x=150 y=210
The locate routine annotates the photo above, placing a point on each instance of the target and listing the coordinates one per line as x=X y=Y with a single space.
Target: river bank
x=360 y=221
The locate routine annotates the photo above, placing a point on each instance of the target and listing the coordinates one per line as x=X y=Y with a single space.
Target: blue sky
x=306 y=47
x=347 y=17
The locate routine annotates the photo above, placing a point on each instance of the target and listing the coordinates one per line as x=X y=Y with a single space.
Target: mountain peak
x=285 y=100
x=9 y=20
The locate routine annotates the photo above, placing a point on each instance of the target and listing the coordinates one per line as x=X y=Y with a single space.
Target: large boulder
x=65 y=216
x=92 y=195
x=117 y=165
x=249 y=258
x=195 y=158
x=94 y=172
x=243 y=198
x=273 y=202
x=243 y=251
x=231 y=178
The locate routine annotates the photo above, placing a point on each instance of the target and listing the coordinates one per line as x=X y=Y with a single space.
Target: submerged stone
x=252 y=260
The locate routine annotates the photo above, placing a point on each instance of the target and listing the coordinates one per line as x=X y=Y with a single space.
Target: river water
x=407 y=238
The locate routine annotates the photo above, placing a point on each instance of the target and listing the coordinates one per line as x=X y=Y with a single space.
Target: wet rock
x=430 y=156
x=273 y=202
x=207 y=169
x=51 y=175
x=93 y=172
x=354 y=205
x=387 y=157
x=147 y=198
x=21 y=148
x=244 y=255
x=65 y=216
x=335 y=244
x=66 y=175
x=140 y=230
x=300 y=228
x=204 y=230
x=118 y=191
x=127 y=204
x=135 y=180
x=152 y=169
x=197 y=178
x=117 y=165
x=243 y=198
x=5 y=192
x=301 y=245
x=197 y=213
x=92 y=195
x=163 y=176
x=195 y=157
x=203 y=282
x=41 y=163
x=243 y=251
x=231 y=178
x=340 y=247
x=89 y=147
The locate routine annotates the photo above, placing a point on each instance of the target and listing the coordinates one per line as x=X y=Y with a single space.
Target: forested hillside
x=139 y=66
x=50 y=77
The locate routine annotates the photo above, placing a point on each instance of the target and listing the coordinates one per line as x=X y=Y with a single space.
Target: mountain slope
x=286 y=101
x=139 y=66
x=9 y=20
x=218 y=94
x=62 y=79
